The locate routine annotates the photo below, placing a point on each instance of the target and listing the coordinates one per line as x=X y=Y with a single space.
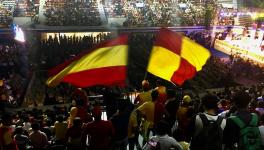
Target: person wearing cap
x=145 y=95
x=100 y=132
x=184 y=116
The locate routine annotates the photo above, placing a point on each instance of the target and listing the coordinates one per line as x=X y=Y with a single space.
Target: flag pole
x=146 y=75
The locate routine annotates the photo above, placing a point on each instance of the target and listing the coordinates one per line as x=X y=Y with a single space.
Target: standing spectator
x=184 y=117
x=152 y=112
x=208 y=127
x=73 y=134
x=171 y=106
x=244 y=121
x=38 y=139
x=145 y=95
x=162 y=92
x=100 y=132
x=162 y=141
x=133 y=130
x=120 y=123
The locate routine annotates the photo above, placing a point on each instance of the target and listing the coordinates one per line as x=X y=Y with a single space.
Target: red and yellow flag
x=176 y=58
x=103 y=65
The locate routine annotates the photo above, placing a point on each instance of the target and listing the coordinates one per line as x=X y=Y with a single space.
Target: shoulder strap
x=219 y=120
x=204 y=119
x=238 y=121
x=254 y=120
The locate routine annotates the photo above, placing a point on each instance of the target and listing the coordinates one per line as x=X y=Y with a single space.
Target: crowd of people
x=12 y=84
x=6 y=16
x=143 y=13
x=70 y=13
x=175 y=118
x=158 y=118
x=26 y=8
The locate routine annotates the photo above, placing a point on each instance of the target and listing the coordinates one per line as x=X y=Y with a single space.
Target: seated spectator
x=22 y=140
x=38 y=139
x=60 y=129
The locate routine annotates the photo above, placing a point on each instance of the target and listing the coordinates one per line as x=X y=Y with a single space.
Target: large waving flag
x=105 y=64
x=176 y=58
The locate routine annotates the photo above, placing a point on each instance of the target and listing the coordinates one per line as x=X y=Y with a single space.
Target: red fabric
x=101 y=133
x=185 y=71
x=115 y=75
x=172 y=40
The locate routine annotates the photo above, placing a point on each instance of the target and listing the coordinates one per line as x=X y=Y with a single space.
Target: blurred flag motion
x=176 y=58
x=105 y=64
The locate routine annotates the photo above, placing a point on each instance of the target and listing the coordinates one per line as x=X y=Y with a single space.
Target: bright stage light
x=19 y=34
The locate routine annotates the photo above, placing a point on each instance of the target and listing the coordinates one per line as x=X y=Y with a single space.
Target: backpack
x=211 y=135
x=249 y=134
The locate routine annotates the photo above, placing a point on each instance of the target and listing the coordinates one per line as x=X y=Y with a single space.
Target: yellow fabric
x=60 y=130
x=161 y=89
x=99 y=58
x=163 y=62
x=144 y=97
x=185 y=145
x=147 y=109
x=194 y=53
x=132 y=124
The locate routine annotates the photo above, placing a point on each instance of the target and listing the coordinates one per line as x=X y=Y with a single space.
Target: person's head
x=19 y=130
x=260 y=104
x=97 y=113
x=241 y=99
x=73 y=102
x=209 y=102
x=122 y=104
x=60 y=118
x=145 y=85
x=186 y=99
x=162 y=127
x=35 y=126
x=154 y=95
x=159 y=83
